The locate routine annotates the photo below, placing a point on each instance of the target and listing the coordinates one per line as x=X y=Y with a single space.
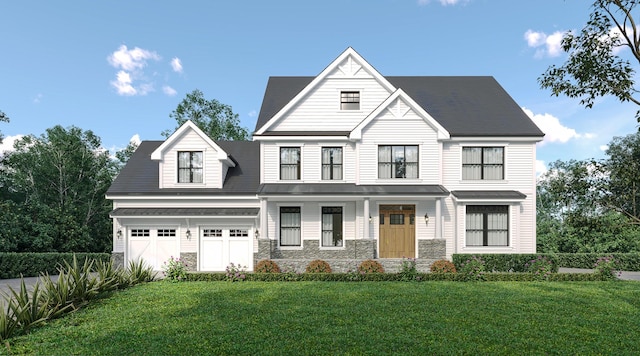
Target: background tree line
x=52 y=186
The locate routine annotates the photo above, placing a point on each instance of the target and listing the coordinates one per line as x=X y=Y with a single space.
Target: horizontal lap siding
x=320 y=109
x=191 y=142
x=409 y=130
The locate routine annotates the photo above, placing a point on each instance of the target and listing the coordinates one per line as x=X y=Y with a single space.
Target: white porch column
x=263 y=219
x=367 y=223
x=438 y=218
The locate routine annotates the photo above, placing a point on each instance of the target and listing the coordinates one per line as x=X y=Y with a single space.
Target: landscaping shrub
x=473 y=269
x=318 y=266
x=174 y=270
x=236 y=273
x=408 y=270
x=443 y=266
x=505 y=262
x=31 y=264
x=267 y=266
x=370 y=266
x=605 y=268
x=541 y=267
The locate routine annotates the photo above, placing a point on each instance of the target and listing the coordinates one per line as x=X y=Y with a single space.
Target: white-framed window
x=289 y=163
x=212 y=233
x=332 y=221
x=331 y=163
x=487 y=225
x=350 y=100
x=190 y=166
x=482 y=163
x=238 y=233
x=290 y=226
x=397 y=161
x=167 y=232
x=140 y=232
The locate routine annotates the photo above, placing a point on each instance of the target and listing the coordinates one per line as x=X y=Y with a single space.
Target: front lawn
x=321 y=318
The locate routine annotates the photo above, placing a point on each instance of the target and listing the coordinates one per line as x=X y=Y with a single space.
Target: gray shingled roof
x=182 y=212
x=140 y=175
x=488 y=194
x=464 y=106
x=351 y=189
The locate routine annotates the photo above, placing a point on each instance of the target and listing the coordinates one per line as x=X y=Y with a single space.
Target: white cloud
x=169 y=90
x=442 y=2
x=131 y=60
x=253 y=113
x=123 y=84
x=135 y=139
x=176 y=64
x=553 y=129
x=603 y=147
x=37 y=99
x=546 y=45
x=130 y=79
x=541 y=168
x=7 y=143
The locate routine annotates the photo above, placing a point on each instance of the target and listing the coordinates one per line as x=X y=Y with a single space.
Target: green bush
x=625 y=261
x=517 y=262
x=16 y=265
x=174 y=270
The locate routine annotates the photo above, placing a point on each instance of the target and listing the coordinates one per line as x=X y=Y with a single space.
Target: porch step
x=391 y=265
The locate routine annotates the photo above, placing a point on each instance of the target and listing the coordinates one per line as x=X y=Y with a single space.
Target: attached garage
x=221 y=246
x=153 y=245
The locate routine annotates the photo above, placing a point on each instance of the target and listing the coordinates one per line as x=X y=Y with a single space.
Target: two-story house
x=344 y=166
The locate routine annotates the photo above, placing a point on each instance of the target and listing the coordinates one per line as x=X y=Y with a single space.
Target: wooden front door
x=397 y=231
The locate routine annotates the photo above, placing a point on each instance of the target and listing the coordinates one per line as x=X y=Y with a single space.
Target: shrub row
x=389 y=277
x=517 y=262
x=31 y=264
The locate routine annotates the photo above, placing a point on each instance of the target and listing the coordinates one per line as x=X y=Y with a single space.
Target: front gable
x=189 y=158
x=399 y=106
x=320 y=102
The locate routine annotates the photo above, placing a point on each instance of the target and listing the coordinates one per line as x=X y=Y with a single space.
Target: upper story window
x=190 y=167
x=397 y=162
x=289 y=163
x=480 y=163
x=487 y=225
x=331 y=163
x=349 y=100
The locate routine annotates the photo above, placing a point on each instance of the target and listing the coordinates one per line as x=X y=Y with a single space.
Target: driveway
x=15 y=283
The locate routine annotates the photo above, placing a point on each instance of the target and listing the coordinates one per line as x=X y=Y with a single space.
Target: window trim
x=485 y=229
x=331 y=164
x=482 y=164
x=190 y=168
x=347 y=98
x=299 y=164
x=333 y=205
x=392 y=164
x=279 y=226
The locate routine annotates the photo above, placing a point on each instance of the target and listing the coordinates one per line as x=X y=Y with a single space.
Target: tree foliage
x=54 y=187
x=595 y=66
x=3 y=118
x=215 y=119
x=592 y=206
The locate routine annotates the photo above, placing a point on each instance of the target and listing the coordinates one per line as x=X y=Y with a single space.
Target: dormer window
x=190 y=167
x=349 y=100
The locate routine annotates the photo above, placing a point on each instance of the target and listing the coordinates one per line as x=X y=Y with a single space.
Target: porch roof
x=488 y=195
x=433 y=190
x=183 y=212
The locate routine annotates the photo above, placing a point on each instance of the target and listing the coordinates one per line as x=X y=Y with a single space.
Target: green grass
x=320 y=318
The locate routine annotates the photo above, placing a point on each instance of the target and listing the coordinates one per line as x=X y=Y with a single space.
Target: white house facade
x=344 y=166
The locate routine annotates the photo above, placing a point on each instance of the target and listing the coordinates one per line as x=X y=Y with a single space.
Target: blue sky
x=119 y=68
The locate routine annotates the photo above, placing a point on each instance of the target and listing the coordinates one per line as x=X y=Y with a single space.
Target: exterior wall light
x=188 y=234
x=119 y=234
x=257 y=234
x=426 y=218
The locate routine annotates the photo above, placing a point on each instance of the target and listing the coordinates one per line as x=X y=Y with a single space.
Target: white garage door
x=154 y=246
x=221 y=246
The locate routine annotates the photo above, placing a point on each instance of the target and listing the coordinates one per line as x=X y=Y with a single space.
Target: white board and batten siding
x=191 y=141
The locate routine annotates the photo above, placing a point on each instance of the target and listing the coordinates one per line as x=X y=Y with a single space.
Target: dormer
x=191 y=159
